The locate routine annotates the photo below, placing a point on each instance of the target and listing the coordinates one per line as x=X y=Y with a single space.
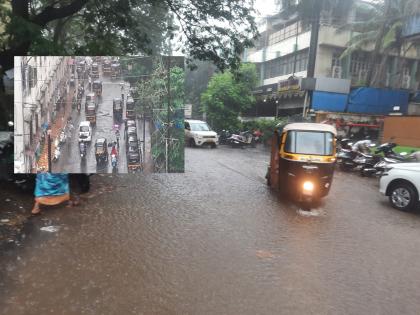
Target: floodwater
x=216 y=240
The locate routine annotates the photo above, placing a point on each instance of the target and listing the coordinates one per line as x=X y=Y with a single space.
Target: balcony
x=329 y=36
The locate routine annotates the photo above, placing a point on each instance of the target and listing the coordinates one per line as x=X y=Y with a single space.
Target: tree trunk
x=58 y=29
x=380 y=77
x=400 y=71
x=20 y=8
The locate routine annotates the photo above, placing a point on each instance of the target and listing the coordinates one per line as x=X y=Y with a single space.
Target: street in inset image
x=98 y=114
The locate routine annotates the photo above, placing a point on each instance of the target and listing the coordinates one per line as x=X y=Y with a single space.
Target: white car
x=401 y=183
x=198 y=133
x=85 y=132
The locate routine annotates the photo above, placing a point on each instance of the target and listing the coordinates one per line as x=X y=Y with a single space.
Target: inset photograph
x=98 y=114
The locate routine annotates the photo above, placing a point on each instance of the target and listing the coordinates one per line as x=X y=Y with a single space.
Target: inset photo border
x=99 y=114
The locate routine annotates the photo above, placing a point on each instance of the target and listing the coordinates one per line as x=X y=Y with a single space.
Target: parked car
x=401 y=183
x=198 y=133
x=85 y=131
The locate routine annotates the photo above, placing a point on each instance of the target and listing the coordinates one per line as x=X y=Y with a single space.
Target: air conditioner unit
x=336 y=72
x=406 y=80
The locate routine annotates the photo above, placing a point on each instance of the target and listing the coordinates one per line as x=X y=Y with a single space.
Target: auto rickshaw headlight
x=308 y=186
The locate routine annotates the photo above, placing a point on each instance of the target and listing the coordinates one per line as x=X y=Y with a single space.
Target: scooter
x=242 y=140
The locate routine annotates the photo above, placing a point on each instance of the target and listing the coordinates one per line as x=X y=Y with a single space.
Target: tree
x=216 y=30
x=228 y=95
x=153 y=94
x=196 y=82
x=381 y=28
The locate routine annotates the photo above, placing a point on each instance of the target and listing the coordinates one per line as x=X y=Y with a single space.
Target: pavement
x=215 y=240
x=56 y=126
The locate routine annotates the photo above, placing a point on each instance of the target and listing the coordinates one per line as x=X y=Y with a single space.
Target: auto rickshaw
x=97 y=87
x=302 y=161
x=101 y=150
x=129 y=112
x=115 y=70
x=95 y=70
x=91 y=97
x=91 y=113
x=117 y=109
x=106 y=67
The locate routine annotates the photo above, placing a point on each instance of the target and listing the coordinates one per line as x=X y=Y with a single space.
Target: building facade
x=281 y=54
x=40 y=83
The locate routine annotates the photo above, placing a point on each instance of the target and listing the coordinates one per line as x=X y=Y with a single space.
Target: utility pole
x=49 y=149
x=144 y=133
x=168 y=133
x=312 y=51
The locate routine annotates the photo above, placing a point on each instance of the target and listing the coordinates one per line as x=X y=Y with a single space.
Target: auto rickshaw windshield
x=309 y=142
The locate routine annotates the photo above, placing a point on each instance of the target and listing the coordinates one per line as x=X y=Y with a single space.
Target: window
x=23 y=77
x=286 y=32
x=309 y=142
x=200 y=127
x=32 y=76
x=285 y=65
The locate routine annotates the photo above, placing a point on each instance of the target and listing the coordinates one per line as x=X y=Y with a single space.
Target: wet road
x=216 y=240
x=70 y=160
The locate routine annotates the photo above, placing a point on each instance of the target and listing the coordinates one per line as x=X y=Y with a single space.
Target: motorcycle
x=224 y=136
x=63 y=137
x=389 y=157
x=355 y=156
x=57 y=154
x=114 y=162
x=388 y=150
x=82 y=148
x=242 y=140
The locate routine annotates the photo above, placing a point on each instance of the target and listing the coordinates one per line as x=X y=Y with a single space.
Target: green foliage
x=215 y=30
x=228 y=95
x=196 y=82
x=153 y=96
x=380 y=24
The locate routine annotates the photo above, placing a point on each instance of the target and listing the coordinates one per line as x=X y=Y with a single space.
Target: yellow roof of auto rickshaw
x=310 y=127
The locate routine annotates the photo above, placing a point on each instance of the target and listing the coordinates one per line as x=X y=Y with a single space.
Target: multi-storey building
x=39 y=84
x=282 y=53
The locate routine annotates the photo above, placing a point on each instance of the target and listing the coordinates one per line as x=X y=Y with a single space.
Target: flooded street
x=216 y=240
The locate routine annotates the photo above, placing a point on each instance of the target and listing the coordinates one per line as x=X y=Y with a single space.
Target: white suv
x=85 y=132
x=401 y=182
x=198 y=133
